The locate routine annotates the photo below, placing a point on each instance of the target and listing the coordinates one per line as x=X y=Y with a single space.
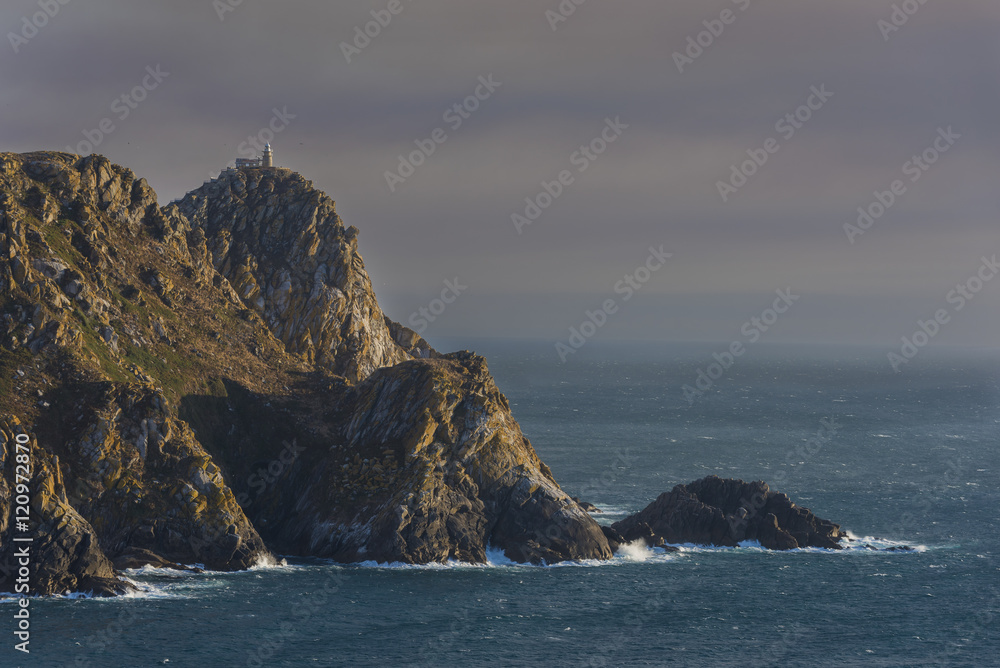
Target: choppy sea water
x=912 y=461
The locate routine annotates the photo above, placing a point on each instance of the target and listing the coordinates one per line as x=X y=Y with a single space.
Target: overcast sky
x=888 y=95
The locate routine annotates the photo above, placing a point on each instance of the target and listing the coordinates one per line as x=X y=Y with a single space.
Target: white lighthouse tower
x=268 y=159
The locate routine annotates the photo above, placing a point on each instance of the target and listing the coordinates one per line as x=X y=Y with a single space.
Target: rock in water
x=138 y=557
x=726 y=512
x=589 y=507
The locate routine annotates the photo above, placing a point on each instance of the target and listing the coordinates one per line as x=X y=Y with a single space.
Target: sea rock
x=726 y=512
x=50 y=268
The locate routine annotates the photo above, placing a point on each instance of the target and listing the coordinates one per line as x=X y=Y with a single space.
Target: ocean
x=898 y=459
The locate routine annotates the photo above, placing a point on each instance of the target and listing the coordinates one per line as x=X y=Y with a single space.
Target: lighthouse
x=267 y=160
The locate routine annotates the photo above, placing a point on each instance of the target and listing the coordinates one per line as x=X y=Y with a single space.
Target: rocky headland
x=213 y=382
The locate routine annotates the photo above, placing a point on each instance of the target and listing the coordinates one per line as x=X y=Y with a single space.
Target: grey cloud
x=656 y=185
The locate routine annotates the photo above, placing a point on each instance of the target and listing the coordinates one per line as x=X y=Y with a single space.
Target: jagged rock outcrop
x=215 y=374
x=134 y=453
x=428 y=464
x=726 y=512
x=287 y=254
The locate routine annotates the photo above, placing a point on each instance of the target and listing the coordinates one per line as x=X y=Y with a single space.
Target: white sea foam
x=266 y=562
x=143 y=590
x=611 y=511
x=167 y=583
x=159 y=583
x=637 y=550
x=167 y=572
x=496 y=559
x=866 y=543
x=630 y=553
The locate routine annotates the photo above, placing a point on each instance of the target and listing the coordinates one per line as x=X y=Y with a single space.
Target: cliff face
x=81 y=365
x=203 y=374
x=285 y=251
x=136 y=454
x=424 y=463
x=64 y=553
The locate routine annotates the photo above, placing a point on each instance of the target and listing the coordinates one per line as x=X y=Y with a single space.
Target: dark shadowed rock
x=135 y=557
x=642 y=531
x=614 y=538
x=725 y=512
x=135 y=452
x=589 y=507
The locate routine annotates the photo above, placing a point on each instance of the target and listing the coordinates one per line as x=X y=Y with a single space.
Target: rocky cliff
x=286 y=253
x=213 y=380
x=420 y=462
x=64 y=552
